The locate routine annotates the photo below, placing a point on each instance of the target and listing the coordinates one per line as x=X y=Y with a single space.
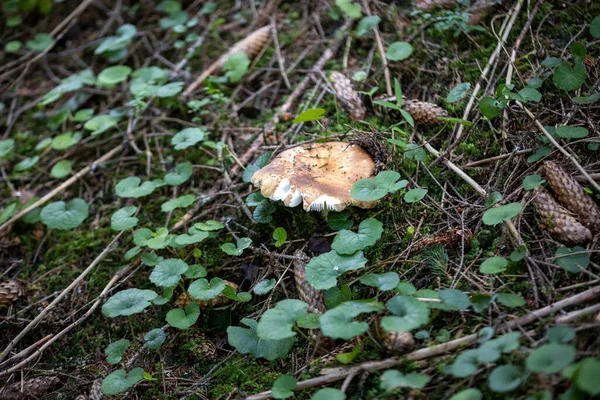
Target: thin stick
x=429 y=352
x=496 y=158
x=559 y=147
x=381 y=49
x=61 y=296
x=507 y=29
x=60 y=187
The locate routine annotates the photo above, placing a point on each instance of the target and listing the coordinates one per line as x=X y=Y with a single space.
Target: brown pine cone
x=398 y=343
x=183 y=300
x=421 y=111
x=570 y=193
x=307 y=293
x=95 y=392
x=30 y=389
x=348 y=97
x=9 y=291
x=558 y=221
x=251 y=45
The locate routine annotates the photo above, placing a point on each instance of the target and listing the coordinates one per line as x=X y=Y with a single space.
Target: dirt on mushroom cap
x=318 y=175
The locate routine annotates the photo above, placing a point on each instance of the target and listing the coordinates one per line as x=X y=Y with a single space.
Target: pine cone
x=558 y=221
x=9 y=291
x=421 y=111
x=399 y=343
x=251 y=45
x=95 y=392
x=428 y=5
x=31 y=388
x=183 y=300
x=570 y=193
x=348 y=97
x=307 y=293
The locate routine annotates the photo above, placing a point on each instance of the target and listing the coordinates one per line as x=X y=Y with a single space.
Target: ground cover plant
x=143 y=255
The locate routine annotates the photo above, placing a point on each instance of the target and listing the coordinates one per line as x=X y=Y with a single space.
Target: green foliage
x=122 y=219
x=322 y=271
x=387 y=281
x=283 y=387
x=338 y=323
x=183 y=319
x=532 y=181
x=182 y=173
x=236 y=66
x=573 y=260
x=347 y=242
x=168 y=272
x=114 y=352
x=187 y=137
x=550 y=358
x=329 y=394
x=40 y=42
x=264 y=286
x=111 y=76
x=155 y=338
x=392 y=379
x=409 y=314
x=277 y=322
x=458 y=92
x=366 y=25
x=280 y=236
x=497 y=215
x=128 y=302
x=399 y=51
x=572 y=132
x=119 y=381
x=238 y=248
x=414 y=195
x=505 y=378
x=246 y=341
x=179 y=202
x=201 y=289
x=468 y=394
x=493 y=265
x=61 y=169
x=371 y=189
x=313 y=114
x=349 y=7
x=567 y=77
x=62 y=216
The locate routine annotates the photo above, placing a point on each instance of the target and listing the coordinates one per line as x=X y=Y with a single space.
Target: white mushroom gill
x=324 y=203
x=296 y=199
x=282 y=191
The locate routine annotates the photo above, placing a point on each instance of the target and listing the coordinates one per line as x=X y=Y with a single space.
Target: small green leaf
x=181 y=319
x=550 y=358
x=65 y=140
x=490 y=107
x=40 y=42
x=530 y=94
x=539 y=154
x=280 y=236
x=169 y=90
x=371 y=189
x=128 y=302
x=181 y=174
x=532 y=181
x=551 y=62
x=347 y=242
x=119 y=381
x=179 y=202
x=572 y=132
x=338 y=323
x=392 y=379
x=264 y=286
x=62 y=216
x=519 y=253
x=510 y=300
x=201 y=289
x=505 y=378
x=366 y=25
x=313 y=114
x=283 y=387
x=114 y=352
x=100 y=124
x=399 y=51
x=409 y=314
x=130 y=187
x=339 y=220
x=61 y=169
x=349 y=7
x=453 y=299
x=13 y=46
x=560 y=334
x=322 y=271
x=26 y=163
x=573 y=260
x=468 y=394
x=595 y=27
x=497 y=215
x=238 y=248
x=122 y=219
x=493 y=265
x=155 y=338
x=458 y=92
x=588 y=375
x=110 y=76
x=247 y=341
x=187 y=137
x=414 y=195
x=6 y=147
x=387 y=281
x=277 y=322
x=567 y=78
x=167 y=273
x=329 y=394
x=480 y=302
x=535 y=83
x=236 y=66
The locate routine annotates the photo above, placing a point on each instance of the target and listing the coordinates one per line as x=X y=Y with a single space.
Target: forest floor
x=129 y=133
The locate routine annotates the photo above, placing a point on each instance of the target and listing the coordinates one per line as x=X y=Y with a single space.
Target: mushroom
x=319 y=176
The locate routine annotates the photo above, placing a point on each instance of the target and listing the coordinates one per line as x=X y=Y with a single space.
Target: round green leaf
x=497 y=215
x=366 y=25
x=347 y=242
x=532 y=181
x=114 y=352
x=409 y=314
x=236 y=66
x=567 y=78
x=399 y=51
x=187 y=137
x=119 y=381
x=110 y=76
x=65 y=140
x=493 y=265
x=550 y=358
x=181 y=319
x=560 y=334
x=40 y=42
x=167 y=273
x=277 y=323
x=201 y=289
x=62 y=216
x=155 y=338
x=122 y=219
x=458 y=92
x=573 y=260
x=572 y=132
x=468 y=394
x=264 y=286
x=13 y=46
x=510 y=300
x=26 y=164
x=128 y=302
x=505 y=378
x=588 y=376
x=454 y=299
x=283 y=387
x=387 y=281
x=100 y=124
x=130 y=187
x=392 y=379
x=181 y=174
x=414 y=195
x=170 y=89
x=329 y=394
x=247 y=341
x=61 y=169
x=6 y=147
x=179 y=202
x=338 y=323
x=322 y=271
x=313 y=114
x=595 y=27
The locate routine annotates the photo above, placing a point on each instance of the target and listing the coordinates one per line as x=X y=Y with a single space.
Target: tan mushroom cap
x=319 y=176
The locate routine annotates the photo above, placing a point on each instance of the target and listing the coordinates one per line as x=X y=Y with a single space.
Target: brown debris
x=29 y=389
x=183 y=300
x=451 y=239
x=428 y=5
x=347 y=96
x=570 y=193
x=398 y=343
x=307 y=293
x=10 y=290
x=558 y=221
